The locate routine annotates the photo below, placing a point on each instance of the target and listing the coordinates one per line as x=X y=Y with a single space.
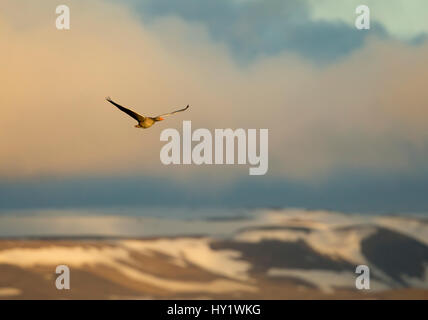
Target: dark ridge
x=396 y=254
x=269 y=254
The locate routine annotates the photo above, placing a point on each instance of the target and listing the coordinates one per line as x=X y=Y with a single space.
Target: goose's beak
x=160 y=118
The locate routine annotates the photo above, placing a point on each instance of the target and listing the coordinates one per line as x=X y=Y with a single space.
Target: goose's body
x=146 y=123
x=143 y=122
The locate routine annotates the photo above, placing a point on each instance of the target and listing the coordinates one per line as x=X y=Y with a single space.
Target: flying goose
x=143 y=122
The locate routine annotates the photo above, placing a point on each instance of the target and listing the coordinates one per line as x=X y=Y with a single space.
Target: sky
x=345 y=108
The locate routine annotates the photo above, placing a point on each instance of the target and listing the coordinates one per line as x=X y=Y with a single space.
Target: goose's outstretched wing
x=131 y=113
x=171 y=113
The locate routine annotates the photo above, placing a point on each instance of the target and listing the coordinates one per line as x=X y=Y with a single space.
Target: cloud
x=366 y=111
x=360 y=191
x=405 y=20
x=252 y=29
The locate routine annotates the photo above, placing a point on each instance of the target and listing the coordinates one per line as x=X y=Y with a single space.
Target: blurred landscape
x=346 y=111
x=260 y=254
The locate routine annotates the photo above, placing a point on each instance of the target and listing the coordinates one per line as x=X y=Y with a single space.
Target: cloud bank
x=366 y=110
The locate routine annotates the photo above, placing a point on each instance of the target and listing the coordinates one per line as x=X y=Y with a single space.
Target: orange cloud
x=367 y=110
